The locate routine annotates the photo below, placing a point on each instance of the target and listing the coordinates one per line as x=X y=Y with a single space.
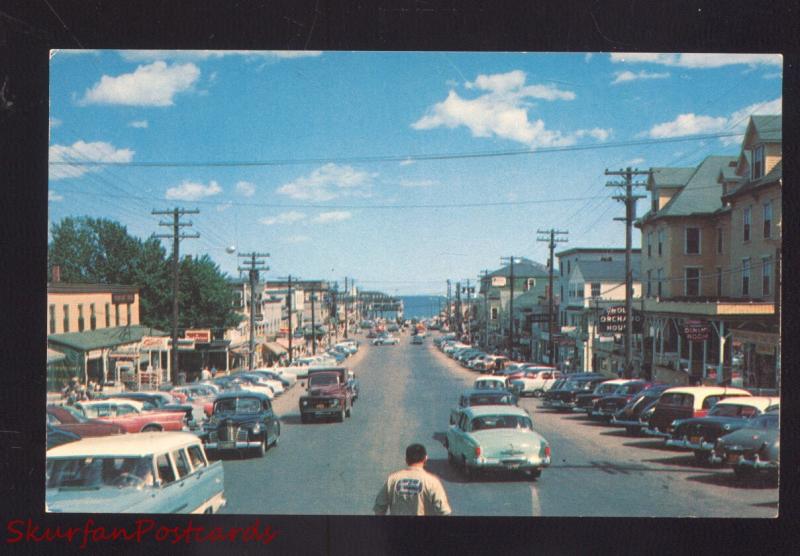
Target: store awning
x=214 y=345
x=54 y=356
x=276 y=348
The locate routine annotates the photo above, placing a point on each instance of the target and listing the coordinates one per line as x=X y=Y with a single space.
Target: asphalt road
x=407 y=392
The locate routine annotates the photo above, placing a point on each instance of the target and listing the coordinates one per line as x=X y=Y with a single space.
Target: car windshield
x=501 y=422
x=75 y=413
x=733 y=410
x=90 y=473
x=237 y=405
x=606 y=388
x=323 y=380
x=489 y=384
x=626 y=389
x=677 y=400
x=489 y=399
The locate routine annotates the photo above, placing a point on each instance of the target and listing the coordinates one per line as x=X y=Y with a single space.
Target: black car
x=605 y=406
x=565 y=397
x=57 y=436
x=241 y=420
x=630 y=415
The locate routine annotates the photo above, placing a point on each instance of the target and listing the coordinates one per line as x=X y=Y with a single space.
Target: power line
x=407 y=157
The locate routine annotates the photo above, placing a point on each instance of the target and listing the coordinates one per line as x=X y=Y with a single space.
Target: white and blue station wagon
x=496 y=438
x=164 y=472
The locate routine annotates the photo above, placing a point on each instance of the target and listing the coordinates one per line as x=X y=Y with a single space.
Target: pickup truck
x=330 y=392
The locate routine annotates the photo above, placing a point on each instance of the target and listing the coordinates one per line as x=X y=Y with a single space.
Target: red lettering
x=30 y=533
x=140 y=530
x=162 y=533
x=252 y=532
x=233 y=532
x=216 y=535
x=11 y=529
x=269 y=535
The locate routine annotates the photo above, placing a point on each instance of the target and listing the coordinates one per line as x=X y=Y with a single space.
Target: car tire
x=534 y=474
x=303 y=418
x=152 y=428
x=451 y=459
x=277 y=437
x=538 y=393
x=469 y=473
x=349 y=410
x=340 y=416
x=262 y=447
x=702 y=458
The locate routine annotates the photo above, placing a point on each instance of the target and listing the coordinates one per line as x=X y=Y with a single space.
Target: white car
x=385 y=341
x=491 y=382
x=276 y=385
x=535 y=381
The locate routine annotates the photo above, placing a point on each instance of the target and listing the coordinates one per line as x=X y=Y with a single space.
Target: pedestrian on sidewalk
x=412 y=491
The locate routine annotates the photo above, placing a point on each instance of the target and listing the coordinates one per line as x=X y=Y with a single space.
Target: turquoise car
x=496 y=438
x=144 y=473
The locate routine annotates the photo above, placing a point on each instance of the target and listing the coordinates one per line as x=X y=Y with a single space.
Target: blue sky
x=401 y=225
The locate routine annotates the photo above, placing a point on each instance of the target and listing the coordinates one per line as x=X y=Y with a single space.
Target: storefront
x=755 y=359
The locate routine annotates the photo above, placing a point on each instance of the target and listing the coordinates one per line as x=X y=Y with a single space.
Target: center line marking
x=536 y=506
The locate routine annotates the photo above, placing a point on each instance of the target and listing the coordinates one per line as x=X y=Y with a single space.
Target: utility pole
x=458 y=309
x=486 y=281
x=449 y=318
x=552 y=245
x=313 y=324
x=176 y=237
x=468 y=290
x=630 y=214
x=253 y=266
x=346 y=296
x=510 y=306
x=289 y=303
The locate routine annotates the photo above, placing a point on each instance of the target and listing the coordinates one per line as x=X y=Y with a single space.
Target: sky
x=353 y=163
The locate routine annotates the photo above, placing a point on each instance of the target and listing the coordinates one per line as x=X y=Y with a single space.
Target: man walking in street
x=412 y=491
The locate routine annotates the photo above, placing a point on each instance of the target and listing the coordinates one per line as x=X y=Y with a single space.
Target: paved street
x=407 y=392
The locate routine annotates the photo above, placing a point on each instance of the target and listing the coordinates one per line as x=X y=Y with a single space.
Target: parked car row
x=720 y=425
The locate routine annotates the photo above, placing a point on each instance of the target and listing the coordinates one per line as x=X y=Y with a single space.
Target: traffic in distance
x=505 y=437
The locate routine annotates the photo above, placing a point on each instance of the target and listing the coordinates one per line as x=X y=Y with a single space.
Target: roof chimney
x=56 y=270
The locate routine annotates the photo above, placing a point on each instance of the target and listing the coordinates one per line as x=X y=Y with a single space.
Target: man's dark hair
x=415 y=454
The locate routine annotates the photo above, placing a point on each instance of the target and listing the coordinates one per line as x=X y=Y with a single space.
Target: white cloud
x=139 y=124
x=418 y=183
x=200 y=55
x=329 y=182
x=596 y=133
x=224 y=206
x=627 y=76
x=635 y=161
x=151 y=85
x=245 y=188
x=53 y=196
x=54 y=122
x=81 y=151
x=407 y=162
x=773 y=75
x=502 y=111
x=191 y=191
x=333 y=216
x=692 y=60
x=588 y=56
x=692 y=124
x=283 y=218
x=297 y=239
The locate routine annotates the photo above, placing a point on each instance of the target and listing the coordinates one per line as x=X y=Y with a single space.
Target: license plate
x=694 y=439
x=320 y=406
x=512 y=465
x=226 y=444
x=733 y=458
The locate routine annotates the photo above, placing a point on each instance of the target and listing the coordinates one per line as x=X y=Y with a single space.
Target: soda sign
x=696 y=330
x=202 y=336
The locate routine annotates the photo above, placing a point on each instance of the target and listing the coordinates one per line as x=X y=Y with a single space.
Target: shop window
x=766 y=276
x=746 y=224
x=692 y=281
x=108 y=315
x=52 y=309
x=745 y=277
x=692 y=246
x=92 y=317
x=767 y=220
x=66 y=318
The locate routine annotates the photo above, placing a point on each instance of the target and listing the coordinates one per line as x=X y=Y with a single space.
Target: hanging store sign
x=696 y=330
x=614 y=319
x=201 y=336
x=154 y=343
x=498 y=281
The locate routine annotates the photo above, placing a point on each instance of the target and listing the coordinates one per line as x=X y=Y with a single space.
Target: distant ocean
x=422 y=306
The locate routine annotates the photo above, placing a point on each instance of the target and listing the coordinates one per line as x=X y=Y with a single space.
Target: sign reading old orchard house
x=122 y=298
x=202 y=336
x=696 y=330
x=614 y=319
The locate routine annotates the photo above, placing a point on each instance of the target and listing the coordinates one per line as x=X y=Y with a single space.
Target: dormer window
x=758 y=162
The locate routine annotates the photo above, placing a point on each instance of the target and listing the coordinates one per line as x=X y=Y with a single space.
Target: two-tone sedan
x=700 y=434
x=754 y=448
x=496 y=438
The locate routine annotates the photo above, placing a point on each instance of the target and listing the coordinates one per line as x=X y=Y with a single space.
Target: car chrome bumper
x=623 y=423
x=232 y=445
x=510 y=465
x=558 y=404
x=758 y=464
x=656 y=433
x=686 y=444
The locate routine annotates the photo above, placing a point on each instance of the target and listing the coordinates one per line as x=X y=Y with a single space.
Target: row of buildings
x=95 y=332
x=706 y=281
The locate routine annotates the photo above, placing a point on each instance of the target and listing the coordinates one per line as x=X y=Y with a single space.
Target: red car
x=74 y=421
x=131 y=416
